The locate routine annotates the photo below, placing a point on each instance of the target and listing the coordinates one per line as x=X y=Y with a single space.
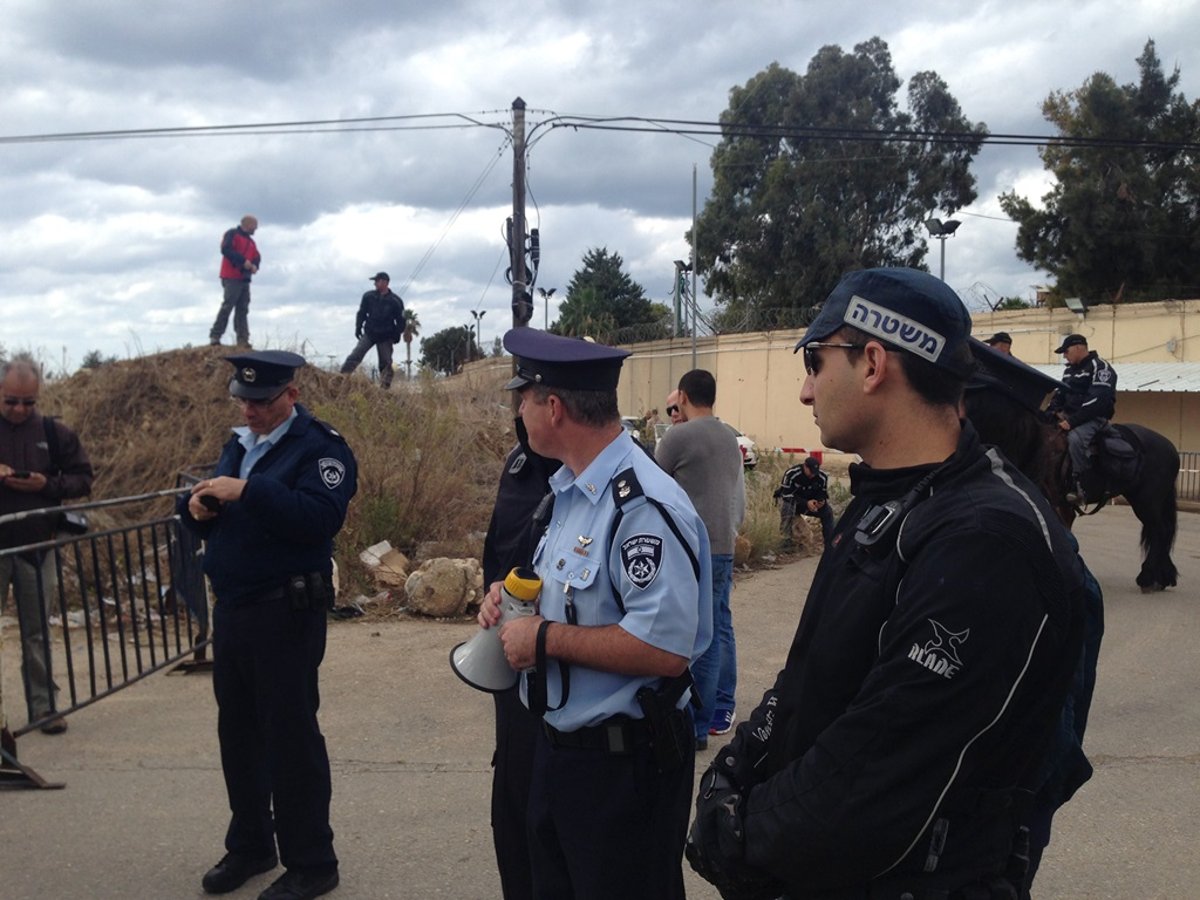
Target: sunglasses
x=671 y=410
x=812 y=362
x=260 y=404
x=20 y=401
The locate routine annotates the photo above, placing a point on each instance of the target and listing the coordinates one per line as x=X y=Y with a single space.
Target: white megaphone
x=480 y=661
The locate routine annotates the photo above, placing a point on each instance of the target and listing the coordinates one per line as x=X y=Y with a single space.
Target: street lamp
x=546 y=295
x=479 y=327
x=942 y=230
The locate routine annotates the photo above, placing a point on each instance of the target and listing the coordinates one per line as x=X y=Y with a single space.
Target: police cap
x=812 y=464
x=904 y=308
x=261 y=374
x=1004 y=373
x=1000 y=337
x=1071 y=340
x=562 y=362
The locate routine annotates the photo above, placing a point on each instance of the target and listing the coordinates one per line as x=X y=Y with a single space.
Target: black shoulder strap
x=52 y=445
x=626 y=487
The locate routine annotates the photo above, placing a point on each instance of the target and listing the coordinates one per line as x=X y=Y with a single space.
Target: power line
x=685 y=127
x=309 y=126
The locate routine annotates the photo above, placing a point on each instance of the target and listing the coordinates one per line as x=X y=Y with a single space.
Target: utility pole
x=522 y=300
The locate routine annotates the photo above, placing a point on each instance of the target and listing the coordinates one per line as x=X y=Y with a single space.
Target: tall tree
x=1120 y=222
x=603 y=301
x=809 y=182
x=447 y=350
x=412 y=327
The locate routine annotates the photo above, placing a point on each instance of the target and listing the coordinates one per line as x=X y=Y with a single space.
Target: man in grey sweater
x=702 y=454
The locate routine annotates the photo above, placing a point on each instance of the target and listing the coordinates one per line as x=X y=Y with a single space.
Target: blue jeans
x=715 y=672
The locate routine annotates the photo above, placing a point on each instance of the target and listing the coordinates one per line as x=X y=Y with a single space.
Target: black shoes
x=233 y=870
x=298 y=885
x=56 y=725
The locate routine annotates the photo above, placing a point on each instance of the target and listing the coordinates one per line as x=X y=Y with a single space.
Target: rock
x=444 y=587
x=741 y=550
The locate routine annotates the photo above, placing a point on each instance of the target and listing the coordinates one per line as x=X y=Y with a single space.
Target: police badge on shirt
x=641 y=558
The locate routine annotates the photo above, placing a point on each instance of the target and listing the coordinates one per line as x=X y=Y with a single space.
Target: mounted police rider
x=1084 y=405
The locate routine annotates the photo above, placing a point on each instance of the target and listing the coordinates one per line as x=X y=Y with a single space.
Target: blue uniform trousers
x=265 y=660
x=607 y=825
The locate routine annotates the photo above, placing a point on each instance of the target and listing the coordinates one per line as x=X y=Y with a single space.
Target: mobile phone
x=211 y=503
x=19 y=475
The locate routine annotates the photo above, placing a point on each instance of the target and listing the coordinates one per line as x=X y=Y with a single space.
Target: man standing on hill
x=702 y=454
x=379 y=324
x=41 y=464
x=240 y=260
x=269 y=514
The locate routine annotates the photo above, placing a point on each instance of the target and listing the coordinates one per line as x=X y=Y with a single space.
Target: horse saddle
x=1117 y=455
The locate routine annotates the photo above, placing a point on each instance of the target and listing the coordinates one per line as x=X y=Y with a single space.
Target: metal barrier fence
x=99 y=611
x=1188 y=484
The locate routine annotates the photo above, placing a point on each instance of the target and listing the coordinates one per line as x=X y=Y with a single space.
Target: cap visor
x=517 y=383
x=251 y=392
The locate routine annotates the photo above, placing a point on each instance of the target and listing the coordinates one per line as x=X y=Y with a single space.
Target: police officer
x=269 y=515
x=897 y=750
x=626 y=606
x=509 y=543
x=804 y=489
x=1084 y=405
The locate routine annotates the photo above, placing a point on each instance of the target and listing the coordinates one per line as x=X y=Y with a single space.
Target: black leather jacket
x=899 y=745
x=1091 y=391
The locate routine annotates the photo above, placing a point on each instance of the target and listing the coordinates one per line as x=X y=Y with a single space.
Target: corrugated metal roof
x=1148 y=377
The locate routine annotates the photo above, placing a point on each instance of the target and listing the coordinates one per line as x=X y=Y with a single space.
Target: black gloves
x=716 y=842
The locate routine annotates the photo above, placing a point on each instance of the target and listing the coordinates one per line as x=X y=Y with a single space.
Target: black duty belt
x=617 y=735
x=311 y=590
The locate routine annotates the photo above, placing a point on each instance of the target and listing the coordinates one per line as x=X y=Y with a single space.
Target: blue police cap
x=904 y=308
x=1004 y=373
x=562 y=362
x=261 y=374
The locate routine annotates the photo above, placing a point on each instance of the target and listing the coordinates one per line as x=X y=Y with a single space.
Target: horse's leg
x=1154 y=505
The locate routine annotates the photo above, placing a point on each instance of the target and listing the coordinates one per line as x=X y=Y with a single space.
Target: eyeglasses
x=671 y=410
x=258 y=404
x=812 y=362
x=20 y=401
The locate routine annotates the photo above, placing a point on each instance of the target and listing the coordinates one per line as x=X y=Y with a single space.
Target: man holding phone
x=41 y=464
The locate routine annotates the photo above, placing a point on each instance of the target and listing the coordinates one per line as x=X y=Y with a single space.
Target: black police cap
x=1000 y=337
x=261 y=374
x=562 y=362
x=1072 y=340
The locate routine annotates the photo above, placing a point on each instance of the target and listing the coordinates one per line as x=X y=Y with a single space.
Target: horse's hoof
x=1152 y=588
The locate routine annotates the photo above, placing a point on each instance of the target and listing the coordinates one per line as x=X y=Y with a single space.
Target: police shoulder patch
x=641 y=558
x=332 y=471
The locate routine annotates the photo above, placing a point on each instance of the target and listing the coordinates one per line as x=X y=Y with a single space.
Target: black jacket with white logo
x=900 y=741
x=1091 y=391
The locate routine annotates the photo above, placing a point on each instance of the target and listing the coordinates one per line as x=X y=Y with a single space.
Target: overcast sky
x=112 y=245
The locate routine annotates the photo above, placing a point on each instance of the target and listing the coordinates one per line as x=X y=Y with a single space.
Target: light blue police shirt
x=257 y=446
x=664 y=604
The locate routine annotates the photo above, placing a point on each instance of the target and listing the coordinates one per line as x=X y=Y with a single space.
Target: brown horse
x=1149 y=489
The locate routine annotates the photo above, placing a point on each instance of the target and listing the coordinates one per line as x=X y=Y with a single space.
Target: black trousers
x=516 y=737
x=265 y=661
x=604 y=825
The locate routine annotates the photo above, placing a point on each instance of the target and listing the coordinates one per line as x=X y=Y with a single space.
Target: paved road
x=143 y=812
